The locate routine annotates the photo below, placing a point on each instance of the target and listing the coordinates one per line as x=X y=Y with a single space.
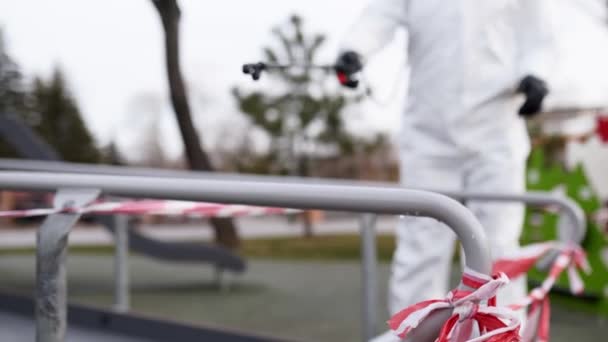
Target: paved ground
x=251 y=227
x=314 y=301
x=19 y=329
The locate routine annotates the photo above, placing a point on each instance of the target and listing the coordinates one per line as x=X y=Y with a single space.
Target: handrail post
x=121 y=263
x=369 y=263
x=51 y=275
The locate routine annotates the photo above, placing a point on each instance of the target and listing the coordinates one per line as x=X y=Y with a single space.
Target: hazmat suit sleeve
x=535 y=37
x=375 y=27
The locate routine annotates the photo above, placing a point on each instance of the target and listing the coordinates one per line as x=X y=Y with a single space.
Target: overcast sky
x=112 y=54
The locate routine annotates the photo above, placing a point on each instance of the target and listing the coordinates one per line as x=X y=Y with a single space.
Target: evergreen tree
x=13 y=95
x=304 y=121
x=12 y=92
x=48 y=108
x=110 y=154
x=60 y=122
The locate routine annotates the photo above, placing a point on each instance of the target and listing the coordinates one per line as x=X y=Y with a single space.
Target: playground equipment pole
x=51 y=275
x=121 y=264
x=369 y=274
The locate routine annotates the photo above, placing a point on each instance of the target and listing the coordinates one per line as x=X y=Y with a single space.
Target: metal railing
x=573 y=228
x=572 y=224
x=77 y=189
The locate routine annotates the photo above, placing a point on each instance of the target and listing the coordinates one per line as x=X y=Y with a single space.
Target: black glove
x=348 y=64
x=535 y=91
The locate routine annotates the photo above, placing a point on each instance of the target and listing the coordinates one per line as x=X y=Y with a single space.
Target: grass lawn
x=319 y=248
x=332 y=247
x=326 y=247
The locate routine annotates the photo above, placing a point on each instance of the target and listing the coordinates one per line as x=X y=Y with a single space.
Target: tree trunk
x=225 y=231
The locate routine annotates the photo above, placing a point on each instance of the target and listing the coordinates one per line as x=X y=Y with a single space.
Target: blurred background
x=114 y=82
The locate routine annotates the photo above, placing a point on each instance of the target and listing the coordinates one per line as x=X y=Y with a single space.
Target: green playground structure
x=541 y=226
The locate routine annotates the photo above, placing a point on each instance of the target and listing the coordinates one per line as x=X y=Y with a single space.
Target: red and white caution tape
x=602 y=128
x=498 y=324
x=571 y=258
x=157 y=207
x=521 y=261
x=493 y=323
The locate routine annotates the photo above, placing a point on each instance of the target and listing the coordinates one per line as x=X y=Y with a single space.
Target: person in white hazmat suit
x=474 y=65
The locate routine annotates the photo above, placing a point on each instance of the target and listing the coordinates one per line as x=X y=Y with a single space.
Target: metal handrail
x=574 y=230
x=353 y=198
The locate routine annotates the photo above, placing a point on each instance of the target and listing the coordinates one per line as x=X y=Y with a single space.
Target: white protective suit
x=461 y=130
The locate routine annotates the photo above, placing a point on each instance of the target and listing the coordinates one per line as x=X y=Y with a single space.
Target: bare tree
x=169 y=12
